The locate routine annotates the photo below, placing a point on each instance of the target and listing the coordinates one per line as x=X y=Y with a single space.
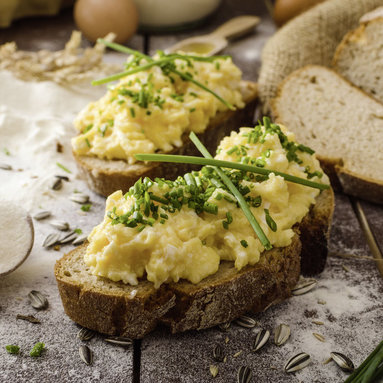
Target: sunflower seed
x=297 y=362
x=245 y=321
x=319 y=337
x=218 y=354
x=213 y=370
x=282 y=334
x=60 y=225
x=304 y=286
x=68 y=238
x=42 y=214
x=261 y=339
x=56 y=184
x=80 y=239
x=38 y=300
x=64 y=178
x=51 y=239
x=224 y=326
x=86 y=355
x=342 y=361
x=28 y=318
x=119 y=341
x=79 y=198
x=5 y=166
x=244 y=374
x=85 y=334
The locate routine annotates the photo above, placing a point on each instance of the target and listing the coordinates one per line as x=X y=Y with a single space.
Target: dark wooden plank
x=346 y=289
x=61 y=361
x=246 y=50
x=374 y=215
x=346 y=234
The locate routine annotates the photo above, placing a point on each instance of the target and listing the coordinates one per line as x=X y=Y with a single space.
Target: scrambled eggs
x=151 y=110
x=183 y=229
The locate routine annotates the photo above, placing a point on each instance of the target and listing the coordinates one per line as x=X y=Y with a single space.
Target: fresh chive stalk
x=228 y=164
x=241 y=201
x=371 y=369
x=152 y=62
x=61 y=166
x=140 y=68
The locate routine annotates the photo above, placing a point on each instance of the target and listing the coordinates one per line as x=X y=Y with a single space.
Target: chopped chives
x=244 y=243
x=166 y=64
x=63 y=167
x=270 y=222
x=242 y=203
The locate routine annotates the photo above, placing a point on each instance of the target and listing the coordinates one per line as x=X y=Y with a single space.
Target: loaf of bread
x=340 y=122
x=359 y=57
x=120 y=309
x=106 y=176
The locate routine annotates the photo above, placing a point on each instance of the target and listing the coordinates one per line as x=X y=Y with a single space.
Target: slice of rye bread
x=359 y=57
x=107 y=176
x=340 y=122
x=116 y=308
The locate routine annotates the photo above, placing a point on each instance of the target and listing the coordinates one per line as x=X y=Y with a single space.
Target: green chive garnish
x=244 y=243
x=371 y=369
x=228 y=164
x=270 y=222
x=63 y=167
x=242 y=203
x=86 y=207
x=6 y=151
x=87 y=128
x=166 y=63
x=12 y=349
x=37 y=349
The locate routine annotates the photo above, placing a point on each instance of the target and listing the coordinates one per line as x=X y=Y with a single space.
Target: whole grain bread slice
x=359 y=57
x=116 y=308
x=107 y=176
x=340 y=122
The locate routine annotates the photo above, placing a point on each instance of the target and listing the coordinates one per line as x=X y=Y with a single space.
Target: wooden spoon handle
x=236 y=27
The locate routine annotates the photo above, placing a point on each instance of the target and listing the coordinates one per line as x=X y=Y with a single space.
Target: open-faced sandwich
x=207 y=247
x=157 y=102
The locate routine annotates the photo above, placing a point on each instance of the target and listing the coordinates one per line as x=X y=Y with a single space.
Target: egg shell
x=285 y=10
x=96 y=18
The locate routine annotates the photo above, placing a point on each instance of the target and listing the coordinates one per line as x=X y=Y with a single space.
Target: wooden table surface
x=161 y=357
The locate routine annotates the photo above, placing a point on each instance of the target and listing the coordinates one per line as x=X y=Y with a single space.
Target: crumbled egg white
x=116 y=127
x=190 y=245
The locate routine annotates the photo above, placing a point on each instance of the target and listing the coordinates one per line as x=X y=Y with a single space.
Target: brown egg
x=96 y=18
x=285 y=10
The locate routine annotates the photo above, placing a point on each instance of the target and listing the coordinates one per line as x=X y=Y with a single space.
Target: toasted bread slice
x=107 y=176
x=340 y=122
x=116 y=308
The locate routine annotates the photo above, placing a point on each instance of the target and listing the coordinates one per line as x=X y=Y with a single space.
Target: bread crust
x=117 y=309
x=106 y=176
x=342 y=179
